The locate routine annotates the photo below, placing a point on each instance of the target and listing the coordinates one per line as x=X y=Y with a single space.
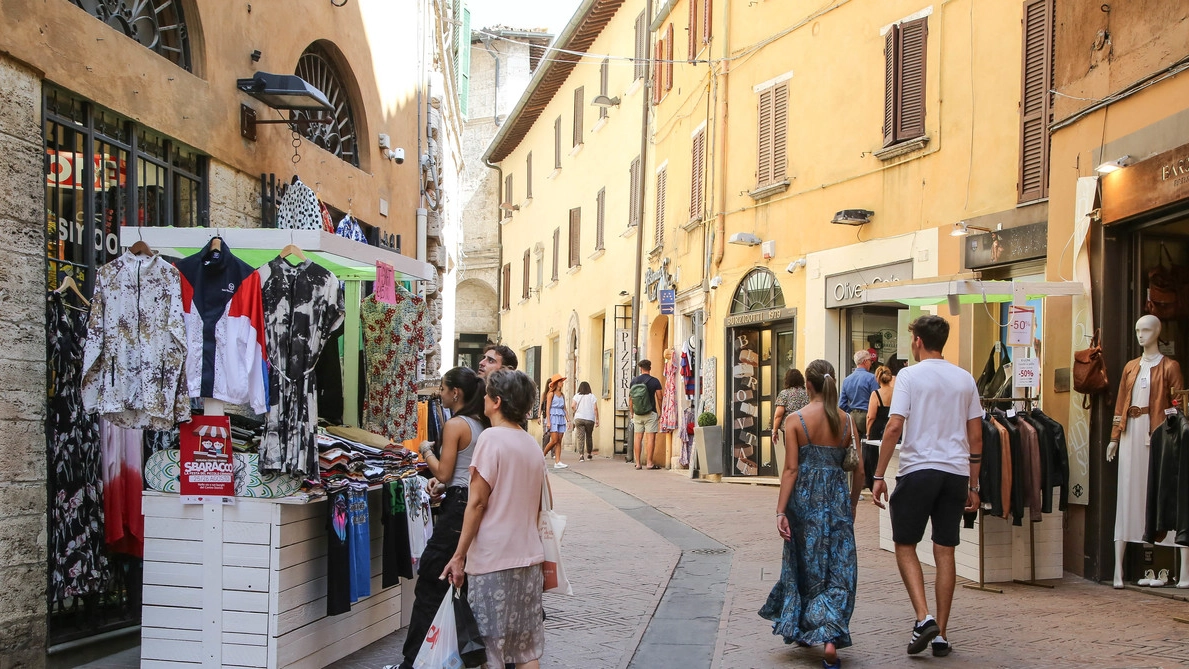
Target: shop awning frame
x=957 y=291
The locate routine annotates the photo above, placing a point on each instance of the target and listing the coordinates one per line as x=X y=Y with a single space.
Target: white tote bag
x=440 y=648
x=551 y=526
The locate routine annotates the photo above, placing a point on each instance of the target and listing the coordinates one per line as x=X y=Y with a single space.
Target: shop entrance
x=874 y=329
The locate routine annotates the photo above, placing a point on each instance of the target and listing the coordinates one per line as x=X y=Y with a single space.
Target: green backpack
x=641 y=399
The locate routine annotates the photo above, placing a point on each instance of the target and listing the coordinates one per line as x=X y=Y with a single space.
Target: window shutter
x=1035 y=100
x=706 y=9
x=556 y=250
x=575 y=236
x=579 y=100
x=604 y=83
x=507 y=285
x=508 y=196
x=662 y=179
x=669 y=58
x=527 y=268
x=694 y=30
x=528 y=176
x=463 y=70
x=641 y=54
x=557 y=144
x=910 y=121
x=697 y=173
x=634 y=198
x=780 y=122
x=600 y=217
x=764 y=133
x=658 y=72
x=889 y=91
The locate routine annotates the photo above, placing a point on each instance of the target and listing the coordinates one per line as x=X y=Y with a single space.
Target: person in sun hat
x=554 y=420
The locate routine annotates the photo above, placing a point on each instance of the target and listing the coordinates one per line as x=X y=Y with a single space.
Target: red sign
x=66 y=169
x=385 y=283
x=207 y=463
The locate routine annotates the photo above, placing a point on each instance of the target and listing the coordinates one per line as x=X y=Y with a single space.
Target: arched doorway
x=760 y=348
x=572 y=369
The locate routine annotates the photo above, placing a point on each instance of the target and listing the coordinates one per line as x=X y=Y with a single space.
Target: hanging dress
x=393 y=337
x=669 y=399
x=813 y=601
x=1131 y=507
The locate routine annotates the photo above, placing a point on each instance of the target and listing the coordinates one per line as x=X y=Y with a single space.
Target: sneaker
x=581 y=458
x=560 y=465
x=922 y=633
x=941 y=647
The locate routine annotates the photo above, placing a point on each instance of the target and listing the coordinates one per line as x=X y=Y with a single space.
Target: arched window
x=338 y=136
x=157 y=24
x=758 y=290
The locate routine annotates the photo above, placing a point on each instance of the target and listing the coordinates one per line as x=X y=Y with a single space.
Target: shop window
x=904 y=81
x=159 y=25
x=339 y=137
x=758 y=290
x=1036 y=100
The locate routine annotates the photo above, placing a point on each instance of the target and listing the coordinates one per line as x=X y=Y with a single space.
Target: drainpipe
x=495 y=107
x=646 y=96
x=720 y=218
x=499 y=231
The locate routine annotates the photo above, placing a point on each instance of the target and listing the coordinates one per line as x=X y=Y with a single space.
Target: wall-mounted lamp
x=604 y=101
x=623 y=293
x=961 y=229
x=853 y=217
x=715 y=282
x=795 y=265
x=1113 y=165
x=744 y=239
x=509 y=207
x=283 y=92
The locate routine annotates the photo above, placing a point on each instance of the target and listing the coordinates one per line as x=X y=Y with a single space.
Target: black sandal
x=655 y=467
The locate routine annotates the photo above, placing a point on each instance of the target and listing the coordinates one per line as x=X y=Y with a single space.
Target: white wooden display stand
x=1004 y=547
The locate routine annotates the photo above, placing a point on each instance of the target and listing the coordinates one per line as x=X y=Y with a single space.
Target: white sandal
x=1161 y=580
x=1147 y=580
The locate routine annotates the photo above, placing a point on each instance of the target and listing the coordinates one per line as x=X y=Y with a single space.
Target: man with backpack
x=645 y=394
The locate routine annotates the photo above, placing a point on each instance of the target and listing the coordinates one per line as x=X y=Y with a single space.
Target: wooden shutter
x=780 y=124
x=889 y=91
x=575 y=236
x=600 y=217
x=707 y=7
x=669 y=58
x=579 y=102
x=556 y=250
x=508 y=196
x=527 y=269
x=1035 y=100
x=604 y=83
x=662 y=179
x=641 y=55
x=557 y=144
x=697 y=175
x=658 y=72
x=694 y=31
x=764 y=135
x=507 y=285
x=634 y=193
x=910 y=121
x=528 y=176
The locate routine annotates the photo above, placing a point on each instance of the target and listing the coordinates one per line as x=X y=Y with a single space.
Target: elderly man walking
x=856 y=391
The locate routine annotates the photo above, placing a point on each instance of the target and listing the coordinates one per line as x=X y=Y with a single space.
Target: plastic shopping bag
x=551 y=525
x=470 y=642
x=440 y=648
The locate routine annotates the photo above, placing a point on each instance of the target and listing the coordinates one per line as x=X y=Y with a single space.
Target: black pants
x=430 y=589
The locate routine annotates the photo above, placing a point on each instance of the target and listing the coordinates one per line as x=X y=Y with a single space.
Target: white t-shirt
x=586 y=407
x=936 y=398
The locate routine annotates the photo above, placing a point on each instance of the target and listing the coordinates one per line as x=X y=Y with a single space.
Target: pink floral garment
x=393 y=337
x=669 y=399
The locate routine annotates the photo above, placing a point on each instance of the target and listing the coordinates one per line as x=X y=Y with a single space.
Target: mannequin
x=1145 y=391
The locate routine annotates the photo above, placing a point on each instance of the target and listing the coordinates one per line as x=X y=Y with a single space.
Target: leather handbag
x=1089 y=370
x=1167 y=297
x=850 y=461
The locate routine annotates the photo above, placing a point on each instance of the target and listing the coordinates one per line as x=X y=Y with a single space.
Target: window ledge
x=576 y=150
x=761 y=192
x=553 y=175
x=637 y=84
x=599 y=124
x=597 y=254
x=692 y=224
x=902 y=149
x=551 y=283
x=574 y=270
x=655 y=252
x=526 y=203
x=523 y=300
x=629 y=232
x=1029 y=203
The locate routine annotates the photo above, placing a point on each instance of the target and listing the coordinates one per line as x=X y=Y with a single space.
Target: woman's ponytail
x=820 y=374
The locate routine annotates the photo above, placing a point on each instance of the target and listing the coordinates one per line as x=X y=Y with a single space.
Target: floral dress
x=669 y=399
x=813 y=601
x=793 y=400
x=78 y=560
x=393 y=337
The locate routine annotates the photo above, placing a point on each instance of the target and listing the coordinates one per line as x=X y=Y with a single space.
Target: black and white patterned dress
x=78 y=559
x=302 y=306
x=299 y=209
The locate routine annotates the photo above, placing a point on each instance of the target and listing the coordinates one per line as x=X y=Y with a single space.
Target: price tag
x=1011 y=413
x=1019 y=325
x=1026 y=373
x=385 y=283
x=1171 y=411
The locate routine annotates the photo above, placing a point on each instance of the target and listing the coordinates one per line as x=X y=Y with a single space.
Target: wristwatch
x=975 y=488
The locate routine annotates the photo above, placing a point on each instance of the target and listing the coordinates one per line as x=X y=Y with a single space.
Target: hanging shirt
x=224 y=318
x=299 y=208
x=393 y=337
x=418 y=515
x=302 y=306
x=349 y=228
x=359 y=542
x=338 y=554
x=136 y=345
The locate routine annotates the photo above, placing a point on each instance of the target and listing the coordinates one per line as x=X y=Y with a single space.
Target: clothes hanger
x=140 y=248
x=216 y=243
x=292 y=250
x=68 y=283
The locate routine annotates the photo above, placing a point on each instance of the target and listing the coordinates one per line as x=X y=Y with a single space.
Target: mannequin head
x=1147 y=330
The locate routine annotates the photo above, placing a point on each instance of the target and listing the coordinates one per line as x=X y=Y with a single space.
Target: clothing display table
x=244 y=585
x=1004 y=549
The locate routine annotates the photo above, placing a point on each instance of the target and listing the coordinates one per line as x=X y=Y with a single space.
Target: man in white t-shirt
x=935 y=406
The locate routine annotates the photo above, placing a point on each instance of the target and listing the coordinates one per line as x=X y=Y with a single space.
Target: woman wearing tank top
x=462 y=393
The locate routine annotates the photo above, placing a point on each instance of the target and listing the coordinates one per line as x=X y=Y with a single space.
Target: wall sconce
x=283 y=92
x=853 y=217
x=509 y=207
x=795 y=265
x=1113 y=165
x=744 y=239
x=961 y=229
x=604 y=101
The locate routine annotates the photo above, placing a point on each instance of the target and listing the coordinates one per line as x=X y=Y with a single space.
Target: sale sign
x=207 y=463
x=1026 y=372
x=385 y=283
x=1020 y=323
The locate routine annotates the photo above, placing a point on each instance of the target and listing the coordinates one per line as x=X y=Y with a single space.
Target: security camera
x=795 y=265
x=399 y=156
x=715 y=282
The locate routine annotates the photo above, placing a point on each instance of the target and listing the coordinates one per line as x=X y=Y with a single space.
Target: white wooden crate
x=244 y=586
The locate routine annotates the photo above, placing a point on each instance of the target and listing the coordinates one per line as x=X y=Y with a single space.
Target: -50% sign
x=1020 y=322
x=1026 y=372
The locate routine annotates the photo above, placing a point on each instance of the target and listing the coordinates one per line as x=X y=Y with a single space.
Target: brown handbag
x=1089 y=370
x=1167 y=296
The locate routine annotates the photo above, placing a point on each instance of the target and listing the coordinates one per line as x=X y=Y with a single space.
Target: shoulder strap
x=846 y=429
x=804 y=427
x=879 y=398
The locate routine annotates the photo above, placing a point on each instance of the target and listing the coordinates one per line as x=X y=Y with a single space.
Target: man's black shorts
x=928 y=495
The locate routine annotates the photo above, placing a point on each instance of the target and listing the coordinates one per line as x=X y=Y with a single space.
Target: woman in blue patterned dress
x=554 y=420
x=815 y=597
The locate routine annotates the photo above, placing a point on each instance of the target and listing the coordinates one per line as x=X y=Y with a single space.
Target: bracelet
x=877 y=478
x=781 y=515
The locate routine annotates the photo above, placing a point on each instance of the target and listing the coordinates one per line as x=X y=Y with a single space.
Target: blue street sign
x=668 y=298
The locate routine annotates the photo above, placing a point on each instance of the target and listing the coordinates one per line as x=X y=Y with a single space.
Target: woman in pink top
x=499 y=548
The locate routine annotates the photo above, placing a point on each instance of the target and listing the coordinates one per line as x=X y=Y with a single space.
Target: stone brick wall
x=234 y=197
x=22 y=371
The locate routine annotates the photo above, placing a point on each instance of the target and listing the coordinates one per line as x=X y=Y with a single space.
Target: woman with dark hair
x=813 y=601
x=499 y=554
x=462 y=392
x=554 y=420
x=586 y=419
x=790 y=399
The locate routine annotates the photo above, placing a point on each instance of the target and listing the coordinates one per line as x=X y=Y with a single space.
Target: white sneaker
x=1149 y=577
x=560 y=465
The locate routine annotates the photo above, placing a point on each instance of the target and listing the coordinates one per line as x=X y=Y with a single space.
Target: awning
x=957 y=292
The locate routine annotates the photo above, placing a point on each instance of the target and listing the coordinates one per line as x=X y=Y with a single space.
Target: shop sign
x=1000 y=247
x=845 y=289
x=668 y=300
x=207 y=463
x=1160 y=180
x=761 y=316
x=67 y=169
x=1020 y=323
x=624 y=367
x=654 y=282
x=385 y=283
x=1026 y=373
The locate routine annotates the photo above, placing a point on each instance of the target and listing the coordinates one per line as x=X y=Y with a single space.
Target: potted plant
x=708 y=446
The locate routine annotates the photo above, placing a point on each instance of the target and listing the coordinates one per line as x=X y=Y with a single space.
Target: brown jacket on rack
x=1166 y=377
